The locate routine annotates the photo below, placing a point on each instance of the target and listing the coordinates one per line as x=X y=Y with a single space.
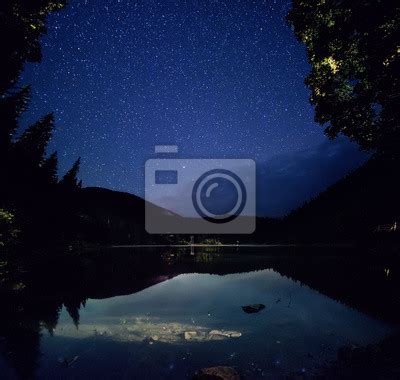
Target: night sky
x=221 y=79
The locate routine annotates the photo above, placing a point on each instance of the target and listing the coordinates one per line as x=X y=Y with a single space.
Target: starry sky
x=218 y=78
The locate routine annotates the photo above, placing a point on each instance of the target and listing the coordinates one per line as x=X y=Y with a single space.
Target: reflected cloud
x=145 y=329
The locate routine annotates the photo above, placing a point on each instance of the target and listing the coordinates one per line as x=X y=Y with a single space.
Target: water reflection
x=166 y=314
x=142 y=328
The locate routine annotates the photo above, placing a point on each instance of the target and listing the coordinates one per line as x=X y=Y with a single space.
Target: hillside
x=113 y=217
x=109 y=216
x=351 y=208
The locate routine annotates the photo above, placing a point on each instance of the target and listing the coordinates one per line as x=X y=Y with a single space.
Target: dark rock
x=253 y=308
x=217 y=373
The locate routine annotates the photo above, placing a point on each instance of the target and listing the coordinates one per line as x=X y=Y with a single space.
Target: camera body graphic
x=200 y=196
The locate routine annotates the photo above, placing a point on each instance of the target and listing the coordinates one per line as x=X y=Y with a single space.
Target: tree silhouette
x=353 y=49
x=33 y=142
x=22 y=23
x=49 y=169
x=30 y=187
x=73 y=306
x=11 y=108
x=70 y=179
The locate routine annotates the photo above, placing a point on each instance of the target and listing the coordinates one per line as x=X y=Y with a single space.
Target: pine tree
x=70 y=179
x=73 y=306
x=22 y=23
x=33 y=142
x=29 y=182
x=50 y=168
x=11 y=108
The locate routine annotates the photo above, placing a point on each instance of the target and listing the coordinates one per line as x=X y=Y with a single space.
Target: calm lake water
x=166 y=314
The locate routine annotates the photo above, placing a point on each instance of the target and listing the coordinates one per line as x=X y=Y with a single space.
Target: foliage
x=210 y=241
x=23 y=22
x=49 y=168
x=33 y=142
x=11 y=107
x=352 y=208
x=354 y=51
x=70 y=179
x=30 y=183
x=8 y=231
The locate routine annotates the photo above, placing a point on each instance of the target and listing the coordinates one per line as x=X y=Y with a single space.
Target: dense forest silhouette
x=35 y=204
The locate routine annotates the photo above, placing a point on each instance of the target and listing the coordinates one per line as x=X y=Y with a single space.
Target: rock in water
x=217 y=373
x=253 y=308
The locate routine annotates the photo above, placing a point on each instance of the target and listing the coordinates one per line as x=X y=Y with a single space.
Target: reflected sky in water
x=143 y=334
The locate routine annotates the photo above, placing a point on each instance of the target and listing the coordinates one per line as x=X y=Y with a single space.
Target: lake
x=166 y=313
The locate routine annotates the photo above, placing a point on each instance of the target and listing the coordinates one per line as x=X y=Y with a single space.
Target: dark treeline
x=35 y=205
x=352 y=209
x=353 y=50
x=37 y=208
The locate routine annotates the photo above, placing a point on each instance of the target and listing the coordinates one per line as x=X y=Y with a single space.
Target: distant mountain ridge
x=349 y=210
x=286 y=181
x=109 y=216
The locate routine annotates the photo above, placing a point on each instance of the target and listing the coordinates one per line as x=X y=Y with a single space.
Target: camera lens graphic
x=219 y=196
